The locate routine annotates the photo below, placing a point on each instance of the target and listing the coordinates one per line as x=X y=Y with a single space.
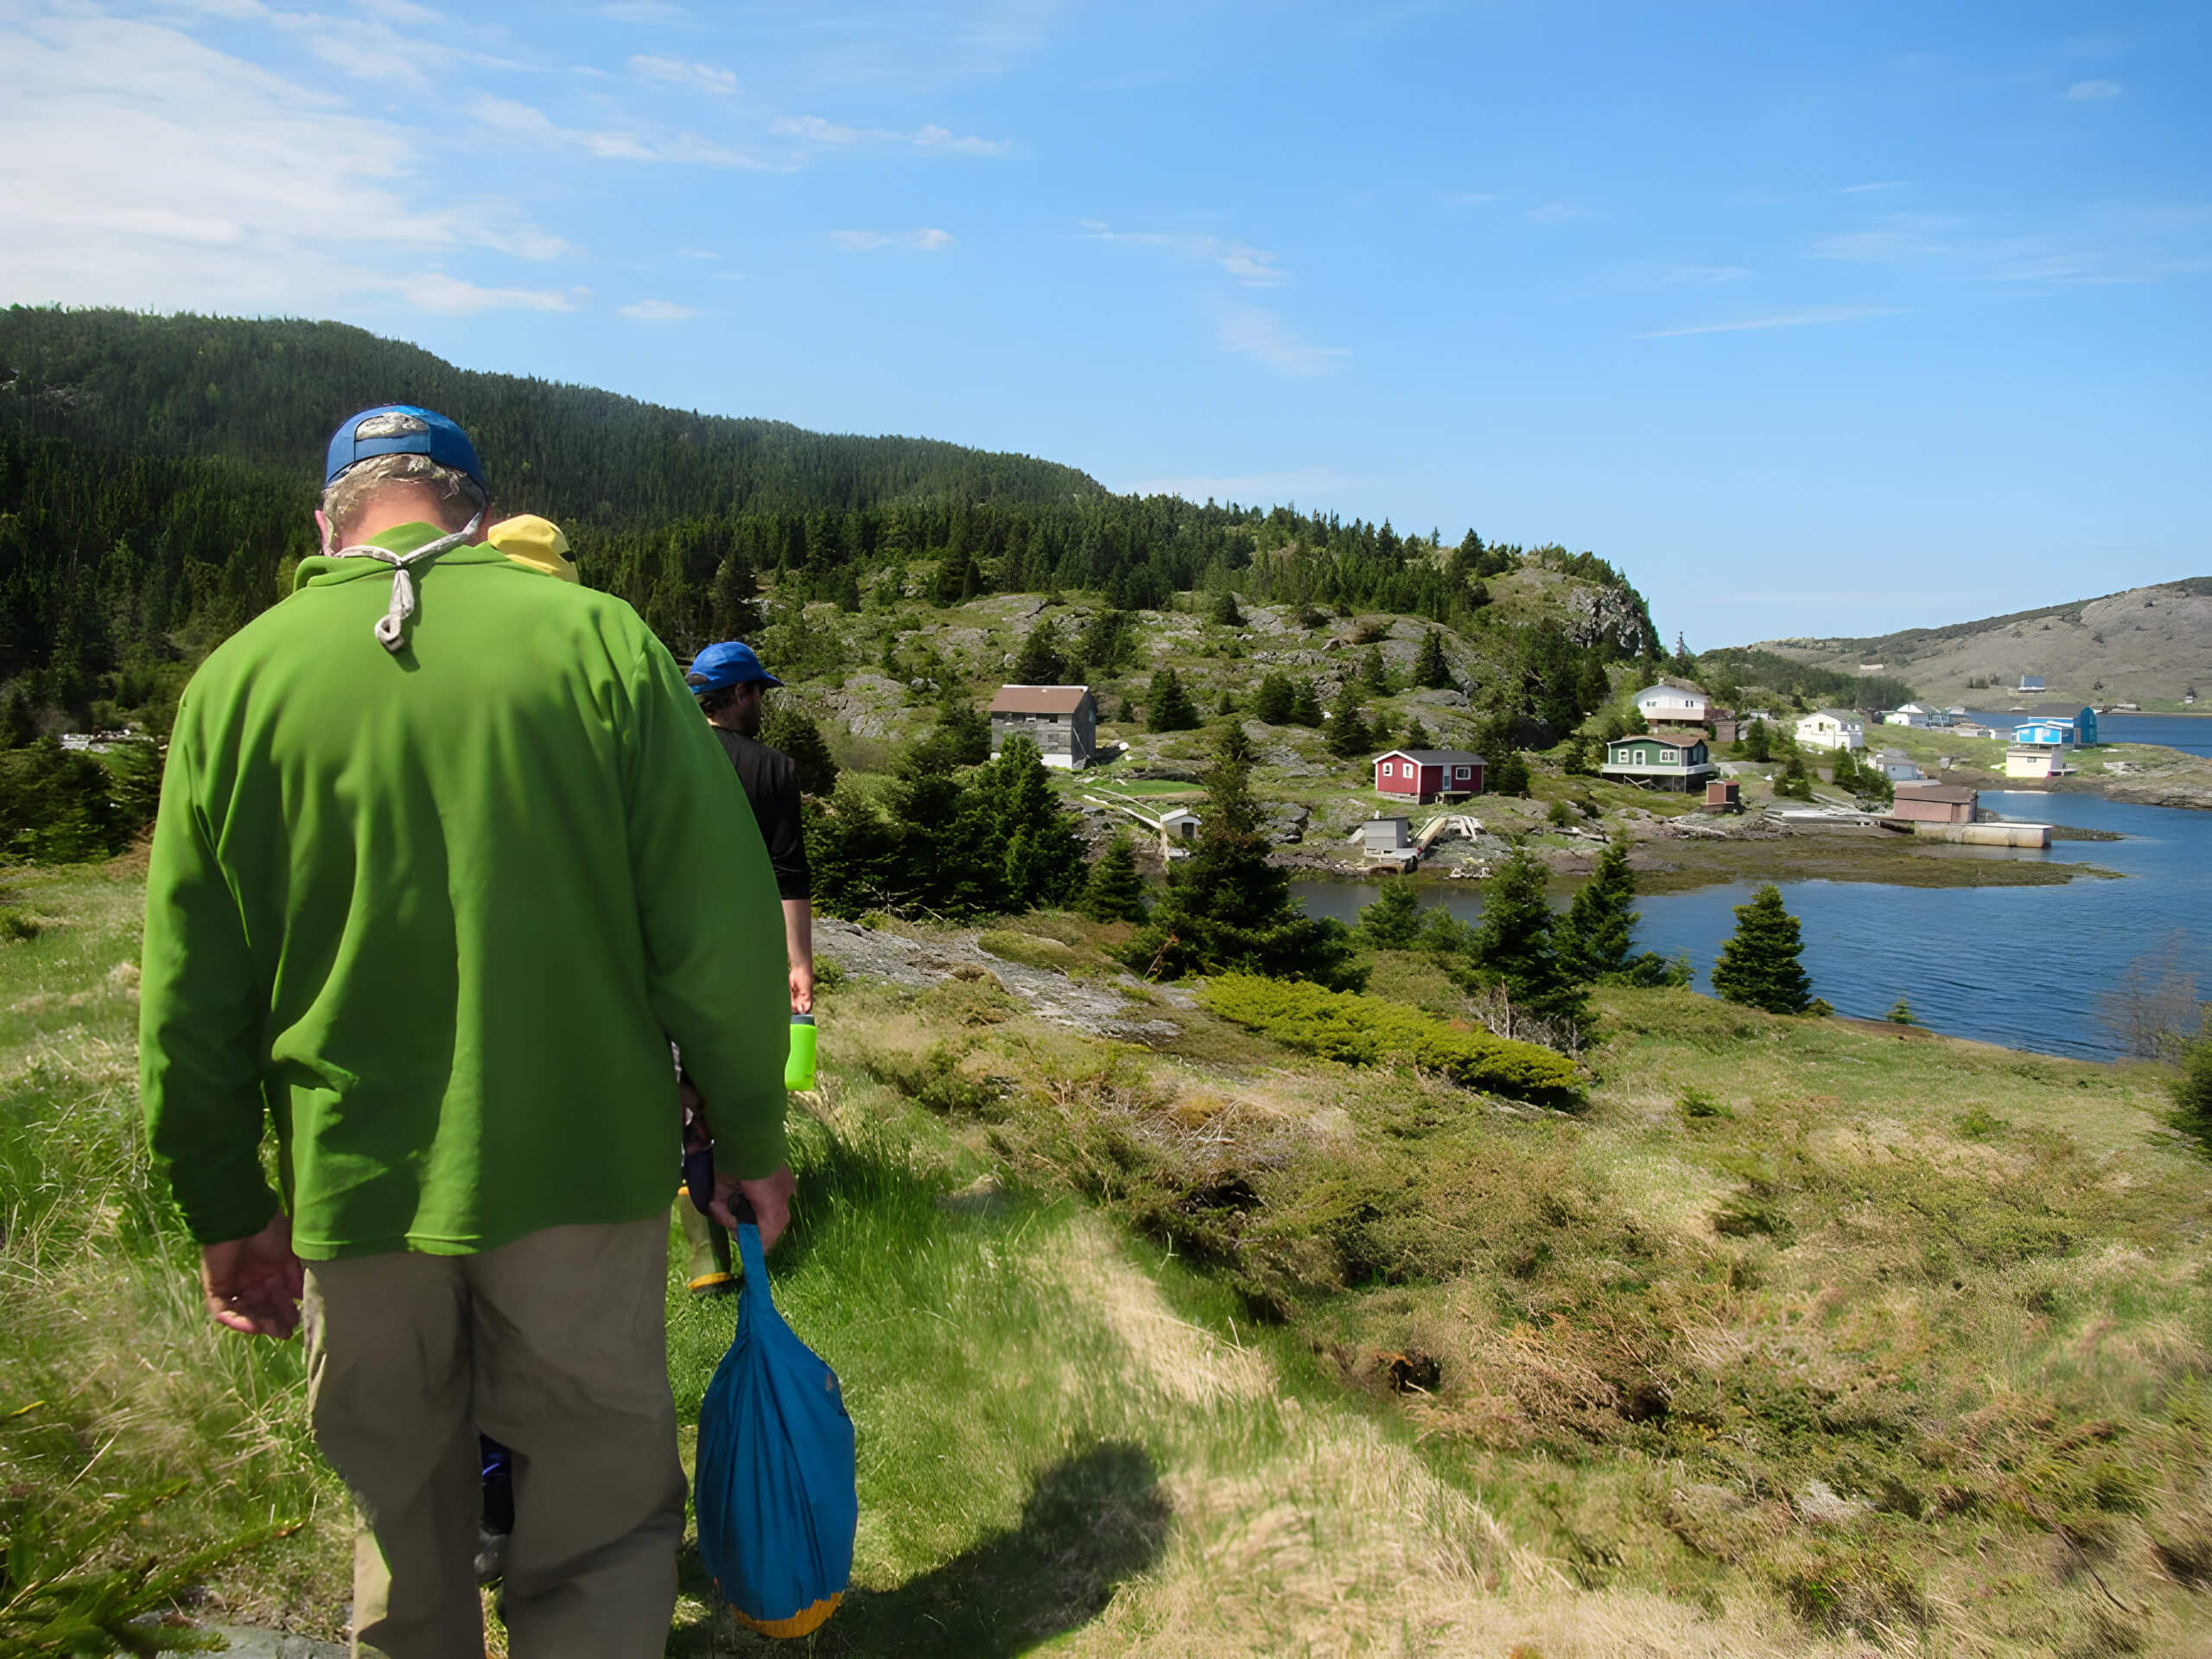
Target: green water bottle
x=798 y=1067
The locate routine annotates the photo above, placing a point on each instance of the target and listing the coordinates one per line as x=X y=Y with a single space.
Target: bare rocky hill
x=2148 y=645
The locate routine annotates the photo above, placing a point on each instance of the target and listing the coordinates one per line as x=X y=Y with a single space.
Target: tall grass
x=1799 y=1337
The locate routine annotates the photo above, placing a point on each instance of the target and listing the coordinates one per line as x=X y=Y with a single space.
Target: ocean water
x=2022 y=966
x=2191 y=734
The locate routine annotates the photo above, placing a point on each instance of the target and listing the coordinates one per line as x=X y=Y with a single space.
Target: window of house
x=1459 y=772
x=1666 y=757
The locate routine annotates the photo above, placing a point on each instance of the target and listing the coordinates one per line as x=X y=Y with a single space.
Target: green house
x=1668 y=760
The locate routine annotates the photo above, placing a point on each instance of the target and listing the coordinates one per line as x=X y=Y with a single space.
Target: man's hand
x=770 y=1196
x=802 y=987
x=254 y=1285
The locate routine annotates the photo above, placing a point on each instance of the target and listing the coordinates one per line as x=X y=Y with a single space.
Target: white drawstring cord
x=389 y=625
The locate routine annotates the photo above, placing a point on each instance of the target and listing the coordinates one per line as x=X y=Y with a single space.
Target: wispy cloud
x=434 y=291
x=1785 y=319
x=1263 y=335
x=814 y=130
x=657 y=311
x=2092 y=92
x=683 y=149
x=925 y=240
x=955 y=143
x=2121 y=247
x=1248 y=266
x=1877 y=184
x=141 y=167
x=1555 y=213
x=700 y=77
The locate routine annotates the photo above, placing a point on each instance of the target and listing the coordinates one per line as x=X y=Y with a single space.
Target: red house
x=1425 y=775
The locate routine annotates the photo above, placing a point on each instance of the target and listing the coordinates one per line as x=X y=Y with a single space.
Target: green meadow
x=1791 y=1337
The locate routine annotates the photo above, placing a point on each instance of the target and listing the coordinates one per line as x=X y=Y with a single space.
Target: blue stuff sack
x=776 y=1495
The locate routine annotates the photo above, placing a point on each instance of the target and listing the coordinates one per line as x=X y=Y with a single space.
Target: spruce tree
x=1227 y=908
x=1114 y=891
x=1597 y=934
x=1432 y=672
x=955 y=580
x=734 y=599
x=2193 y=1090
x=1044 y=863
x=18 y=719
x=1758 y=965
x=1348 y=734
x=1040 y=662
x=1374 y=672
x=1225 y=613
x=1274 y=701
x=1393 y=921
x=1306 y=707
x=1417 y=735
x=137 y=788
x=1514 y=944
x=1594 y=688
x=1170 y=707
x=1757 y=743
x=785 y=728
x=1507 y=775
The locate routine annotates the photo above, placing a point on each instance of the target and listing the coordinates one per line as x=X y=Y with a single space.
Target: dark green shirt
x=439 y=915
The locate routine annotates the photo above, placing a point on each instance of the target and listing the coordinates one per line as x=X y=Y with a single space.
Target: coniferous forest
x=157 y=476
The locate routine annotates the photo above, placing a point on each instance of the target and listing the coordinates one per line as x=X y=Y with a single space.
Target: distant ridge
x=2150 y=646
x=194 y=388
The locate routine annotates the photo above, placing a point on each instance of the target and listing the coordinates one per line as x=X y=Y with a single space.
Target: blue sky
x=1815 y=319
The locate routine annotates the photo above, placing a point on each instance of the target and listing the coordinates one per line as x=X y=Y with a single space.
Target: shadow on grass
x=1090 y=1521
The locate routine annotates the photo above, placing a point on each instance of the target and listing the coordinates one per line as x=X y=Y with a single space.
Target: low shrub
x=1029 y=949
x=1696 y=1103
x=15 y=927
x=1356 y=1030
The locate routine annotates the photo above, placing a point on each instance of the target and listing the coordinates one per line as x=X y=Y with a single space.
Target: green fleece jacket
x=437 y=915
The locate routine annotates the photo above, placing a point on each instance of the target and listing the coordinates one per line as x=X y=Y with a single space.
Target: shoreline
x=1667 y=864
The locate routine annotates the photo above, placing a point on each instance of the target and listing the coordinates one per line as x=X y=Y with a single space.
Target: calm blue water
x=2191 y=734
x=2021 y=966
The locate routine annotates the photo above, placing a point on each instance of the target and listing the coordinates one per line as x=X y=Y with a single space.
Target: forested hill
x=157 y=475
x=269 y=394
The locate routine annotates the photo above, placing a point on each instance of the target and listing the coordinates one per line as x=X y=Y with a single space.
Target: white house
x=2035 y=760
x=1916 y=713
x=1899 y=767
x=1832 y=728
x=1673 y=705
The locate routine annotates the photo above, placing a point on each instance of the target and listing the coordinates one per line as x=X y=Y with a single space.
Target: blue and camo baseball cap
x=719 y=667
x=400 y=429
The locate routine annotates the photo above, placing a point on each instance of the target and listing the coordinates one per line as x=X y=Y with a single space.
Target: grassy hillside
x=1799 y=1337
x=2149 y=645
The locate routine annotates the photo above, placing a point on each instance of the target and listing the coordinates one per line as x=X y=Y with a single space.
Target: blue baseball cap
x=400 y=429
x=719 y=667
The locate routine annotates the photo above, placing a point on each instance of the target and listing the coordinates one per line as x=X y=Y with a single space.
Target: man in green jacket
x=445 y=858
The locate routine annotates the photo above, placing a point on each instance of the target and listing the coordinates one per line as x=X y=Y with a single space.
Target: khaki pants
x=554 y=1345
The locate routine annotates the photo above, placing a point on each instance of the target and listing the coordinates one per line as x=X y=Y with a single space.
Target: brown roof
x=1038 y=699
x=1957 y=794
x=1675 y=735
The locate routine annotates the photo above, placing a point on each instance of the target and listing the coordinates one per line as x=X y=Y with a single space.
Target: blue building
x=2074 y=729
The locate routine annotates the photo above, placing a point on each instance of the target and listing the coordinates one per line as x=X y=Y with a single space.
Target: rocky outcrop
x=1123 y=1006
x=1601 y=614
